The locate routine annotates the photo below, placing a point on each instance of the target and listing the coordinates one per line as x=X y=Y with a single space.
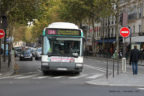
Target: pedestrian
x=134 y=57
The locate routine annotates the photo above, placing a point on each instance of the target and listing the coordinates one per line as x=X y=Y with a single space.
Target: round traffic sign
x=2 y=33
x=124 y=32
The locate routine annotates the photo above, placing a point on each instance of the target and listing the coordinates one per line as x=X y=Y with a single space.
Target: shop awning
x=106 y=41
x=136 y=39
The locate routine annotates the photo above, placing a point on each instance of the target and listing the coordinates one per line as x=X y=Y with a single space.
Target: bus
x=62 y=48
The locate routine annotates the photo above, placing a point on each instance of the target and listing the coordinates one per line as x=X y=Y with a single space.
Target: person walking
x=134 y=57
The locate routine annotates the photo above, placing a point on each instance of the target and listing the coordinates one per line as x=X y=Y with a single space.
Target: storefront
x=137 y=40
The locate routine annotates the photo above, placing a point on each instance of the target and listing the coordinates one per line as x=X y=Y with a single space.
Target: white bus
x=62 y=48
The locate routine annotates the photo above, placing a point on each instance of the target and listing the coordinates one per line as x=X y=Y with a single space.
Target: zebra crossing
x=39 y=76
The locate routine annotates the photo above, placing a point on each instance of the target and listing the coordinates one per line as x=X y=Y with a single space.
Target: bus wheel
x=76 y=73
x=44 y=72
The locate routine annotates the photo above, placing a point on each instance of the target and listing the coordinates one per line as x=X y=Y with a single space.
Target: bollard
x=123 y=64
x=113 y=68
x=107 y=69
x=117 y=66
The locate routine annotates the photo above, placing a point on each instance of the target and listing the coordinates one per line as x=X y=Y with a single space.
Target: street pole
x=4 y=25
x=117 y=33
x=4 y=60
x=0 y=55
x=117 y=29
x=124 y=57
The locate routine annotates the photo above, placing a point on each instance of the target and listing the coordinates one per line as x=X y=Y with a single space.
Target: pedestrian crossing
x=39 y=76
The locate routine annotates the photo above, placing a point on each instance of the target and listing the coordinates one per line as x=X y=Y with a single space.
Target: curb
x=108 y=84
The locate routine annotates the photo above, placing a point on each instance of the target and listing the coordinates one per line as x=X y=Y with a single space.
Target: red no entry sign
x=124 y=32
x=2 y=33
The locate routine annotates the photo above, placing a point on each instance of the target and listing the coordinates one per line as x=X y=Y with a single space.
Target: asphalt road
x=59 y=87
x=30 y=82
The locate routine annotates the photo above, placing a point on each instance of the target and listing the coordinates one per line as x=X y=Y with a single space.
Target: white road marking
x=141 y=88
x=77 y=77
x=8 y=77
x=58 y=77
x=40 y=77
x=5 y=77
x=96 y=68
x=94 y=76
x=24 y=77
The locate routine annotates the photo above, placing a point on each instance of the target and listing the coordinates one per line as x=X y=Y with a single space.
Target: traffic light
x=4 y=22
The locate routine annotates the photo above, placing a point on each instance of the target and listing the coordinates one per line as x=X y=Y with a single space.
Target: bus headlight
x=45 y=63
x=79 y=65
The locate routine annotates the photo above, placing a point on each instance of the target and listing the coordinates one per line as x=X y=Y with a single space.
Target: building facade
x=131 y=14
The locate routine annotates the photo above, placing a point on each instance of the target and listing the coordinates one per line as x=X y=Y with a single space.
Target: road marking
x=40 y=77
x=8 y=77
x=96 y=68
x=141 y=88
x=5 y=77
x=57 y=77
x=24 y=77
x=94 y=76
x=77 y=77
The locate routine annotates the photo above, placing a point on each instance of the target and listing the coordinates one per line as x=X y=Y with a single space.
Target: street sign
x=124 y=32
x=2 y=33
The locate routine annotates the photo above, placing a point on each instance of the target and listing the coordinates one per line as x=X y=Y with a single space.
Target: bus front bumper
x=56 y=67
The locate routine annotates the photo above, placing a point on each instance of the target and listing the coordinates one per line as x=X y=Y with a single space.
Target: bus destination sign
x=67 y=32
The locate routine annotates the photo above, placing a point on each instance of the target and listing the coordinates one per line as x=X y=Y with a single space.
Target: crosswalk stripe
x=8 y=77
x=57 y=77
x=77 y=77
x=40 y=77
x=141 y=88
x=24 y=77
x=94 y=76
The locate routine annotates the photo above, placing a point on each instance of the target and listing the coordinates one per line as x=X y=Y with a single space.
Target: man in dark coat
x=134 y=57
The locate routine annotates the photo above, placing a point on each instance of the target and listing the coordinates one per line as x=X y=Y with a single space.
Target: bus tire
x=44 y=72
x=76 y=73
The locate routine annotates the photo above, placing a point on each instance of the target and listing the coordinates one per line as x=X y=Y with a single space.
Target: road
x=30 y=82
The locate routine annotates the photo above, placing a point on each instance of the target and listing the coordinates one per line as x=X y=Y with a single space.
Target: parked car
x=33 y=51
x=38 y=53
x=26 y=55
x=18 y=51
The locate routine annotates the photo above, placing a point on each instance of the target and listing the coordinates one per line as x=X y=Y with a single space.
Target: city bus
x=62 y=48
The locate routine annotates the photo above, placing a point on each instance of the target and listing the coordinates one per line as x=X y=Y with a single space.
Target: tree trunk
x=93 y=38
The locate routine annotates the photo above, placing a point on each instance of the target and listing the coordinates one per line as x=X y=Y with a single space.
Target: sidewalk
x=123 y=79
x=141 y=62
x=5 y=70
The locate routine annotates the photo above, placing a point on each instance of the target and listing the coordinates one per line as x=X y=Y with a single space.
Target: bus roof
x=63 y=25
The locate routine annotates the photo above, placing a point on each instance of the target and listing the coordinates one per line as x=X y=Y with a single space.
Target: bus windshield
x=54 y=46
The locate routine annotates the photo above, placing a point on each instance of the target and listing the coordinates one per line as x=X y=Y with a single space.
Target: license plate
x=62 y=69
x=26 y=57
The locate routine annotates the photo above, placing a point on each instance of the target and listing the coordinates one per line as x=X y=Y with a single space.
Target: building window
x=112 y=33
x=140 y=12
x=133 y=29
x=139 y=28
